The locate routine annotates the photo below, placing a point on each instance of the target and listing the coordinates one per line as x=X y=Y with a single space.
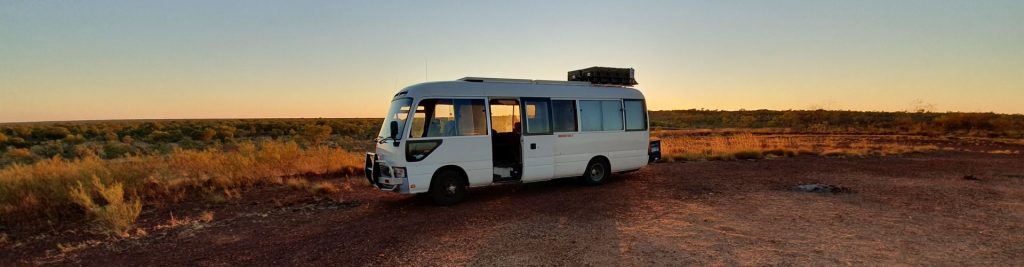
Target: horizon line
x=660 y=110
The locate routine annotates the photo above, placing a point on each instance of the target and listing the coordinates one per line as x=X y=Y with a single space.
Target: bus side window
x=434 y=118
x=470 y=117
x=447 y=117
x=601 y=115
x=537 y=117
x=564 y=113
x=636 y=115
x=590 y=115
x=611 y=112
x=419 y=118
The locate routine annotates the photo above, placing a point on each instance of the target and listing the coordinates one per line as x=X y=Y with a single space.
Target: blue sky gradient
x=71 y=60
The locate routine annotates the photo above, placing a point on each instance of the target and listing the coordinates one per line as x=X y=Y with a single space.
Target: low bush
x=114 y=216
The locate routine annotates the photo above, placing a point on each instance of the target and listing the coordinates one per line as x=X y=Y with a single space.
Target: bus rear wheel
x=447 y=188
x=596 y=173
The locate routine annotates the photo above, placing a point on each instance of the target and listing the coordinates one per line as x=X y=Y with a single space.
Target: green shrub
x=51 y=133
x=116 y=150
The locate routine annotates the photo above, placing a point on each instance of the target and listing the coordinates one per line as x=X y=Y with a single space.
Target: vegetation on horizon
x=27 y=143
x=847 y=122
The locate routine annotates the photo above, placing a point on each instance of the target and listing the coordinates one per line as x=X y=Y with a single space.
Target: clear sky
x=72 y=60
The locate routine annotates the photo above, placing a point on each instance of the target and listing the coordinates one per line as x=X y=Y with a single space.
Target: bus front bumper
x=379 y=176
x=390 y=184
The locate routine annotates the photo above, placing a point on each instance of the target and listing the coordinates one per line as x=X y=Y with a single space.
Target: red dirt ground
x=914 y=209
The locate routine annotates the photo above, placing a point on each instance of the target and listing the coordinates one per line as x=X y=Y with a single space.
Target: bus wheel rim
x=596 y=172
x=451 y=188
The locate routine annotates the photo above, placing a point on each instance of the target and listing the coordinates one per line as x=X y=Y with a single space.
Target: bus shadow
x=491 y=193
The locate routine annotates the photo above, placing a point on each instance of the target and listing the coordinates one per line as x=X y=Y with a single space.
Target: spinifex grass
x=43 y=189
x=676 y=146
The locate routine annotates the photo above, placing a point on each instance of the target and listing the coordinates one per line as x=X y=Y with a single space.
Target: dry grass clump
x=297 y=183
x=176 y=222
x=317 y=189
x=324 y=188
x=681 y=146
x=41 y=190
x=206 y=216
x=115 y=215
x=749 y=154
x=836 y=153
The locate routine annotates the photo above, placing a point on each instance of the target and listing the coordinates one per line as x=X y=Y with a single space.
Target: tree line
x=864 y=122
x=29 y=142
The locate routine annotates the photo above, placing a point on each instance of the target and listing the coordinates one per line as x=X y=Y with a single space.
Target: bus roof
x=497 y=87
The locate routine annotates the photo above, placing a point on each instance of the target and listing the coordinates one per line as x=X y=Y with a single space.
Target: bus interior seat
x=449 y=129
x=433 y=129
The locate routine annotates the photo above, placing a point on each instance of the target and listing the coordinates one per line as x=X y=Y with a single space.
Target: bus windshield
x=398 y=112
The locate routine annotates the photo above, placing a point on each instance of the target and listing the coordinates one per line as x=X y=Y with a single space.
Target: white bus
x=440 y=138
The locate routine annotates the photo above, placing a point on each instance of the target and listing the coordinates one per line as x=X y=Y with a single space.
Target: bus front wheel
x=447 y=188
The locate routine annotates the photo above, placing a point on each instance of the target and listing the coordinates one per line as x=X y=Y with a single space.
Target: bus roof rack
x=604 y=76
x=522 y=81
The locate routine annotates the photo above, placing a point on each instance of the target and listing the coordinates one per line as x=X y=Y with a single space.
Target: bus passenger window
x=636 y=115
x=447 y=117
x=611 y=112
x=471 y=117
x=590 y=115
x=601 y=115
x=434 y=118
x=564 y=113
x=537 y=117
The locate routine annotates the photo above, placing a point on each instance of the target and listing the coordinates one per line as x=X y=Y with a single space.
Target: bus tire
x=447 y=187
x=597 y=172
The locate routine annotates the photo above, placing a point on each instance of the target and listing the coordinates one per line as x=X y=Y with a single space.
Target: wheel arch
x=602 y=158
x=455 y=168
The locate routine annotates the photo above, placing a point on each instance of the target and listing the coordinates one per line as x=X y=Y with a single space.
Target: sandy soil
x=915 y=209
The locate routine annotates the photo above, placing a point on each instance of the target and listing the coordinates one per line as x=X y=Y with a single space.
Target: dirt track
x=915 y=209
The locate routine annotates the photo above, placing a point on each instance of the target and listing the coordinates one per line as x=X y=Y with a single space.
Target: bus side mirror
x=394 y=130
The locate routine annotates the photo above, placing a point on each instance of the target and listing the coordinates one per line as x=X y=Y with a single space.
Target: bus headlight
x=398 y=172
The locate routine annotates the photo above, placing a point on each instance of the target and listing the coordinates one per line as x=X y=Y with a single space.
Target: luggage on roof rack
x=604 y=75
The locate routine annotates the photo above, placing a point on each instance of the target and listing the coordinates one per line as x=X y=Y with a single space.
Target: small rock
x=822 y=188
x=971 y=177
